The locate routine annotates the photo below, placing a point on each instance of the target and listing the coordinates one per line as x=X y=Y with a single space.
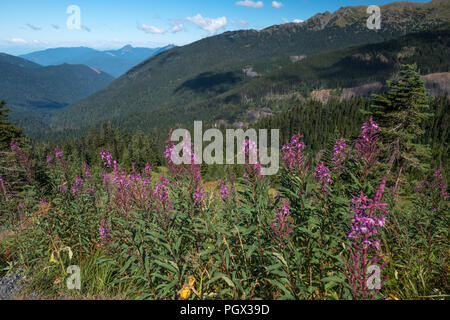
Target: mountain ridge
x=113 y=62
x=185 y=82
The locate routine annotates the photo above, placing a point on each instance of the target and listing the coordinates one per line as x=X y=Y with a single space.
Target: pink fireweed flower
x=293 y=154
x=87 y=171
x=49 y=159
x=282 y=227
x=323 y=175
x=59 y=155
x=199 y=196
x=250 y=149
x=106 y=179
x=224 y=190
x=104 y=232
x=367 y=143
x=365 y=222
x=169 y=150
x=62 y=188
x=252 y=165
x=339 y=154
x=365 y=248
x=77 y=186
x=422 y=185
x=106 y=158
x=23 y=159
x=161 y=192
x=147 y=172
x=440 y=184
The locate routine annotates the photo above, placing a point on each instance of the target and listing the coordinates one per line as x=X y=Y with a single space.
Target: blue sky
x=28 y=25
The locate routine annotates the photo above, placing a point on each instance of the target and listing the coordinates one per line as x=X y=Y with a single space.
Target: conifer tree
x=401 y=114
x=8 y=130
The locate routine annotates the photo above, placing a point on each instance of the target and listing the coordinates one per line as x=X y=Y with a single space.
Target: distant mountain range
x=32 y=91
x=220 y=76
x=113 y=62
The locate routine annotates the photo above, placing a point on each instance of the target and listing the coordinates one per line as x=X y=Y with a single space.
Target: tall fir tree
x=401 y=114
x=8 y=130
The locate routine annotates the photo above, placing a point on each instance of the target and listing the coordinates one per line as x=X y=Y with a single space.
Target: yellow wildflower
x=185 y=292
x=52 y=259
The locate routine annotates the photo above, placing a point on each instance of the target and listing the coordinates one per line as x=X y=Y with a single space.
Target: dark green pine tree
x=401 y=114
x=8 y=130
x=11 y=174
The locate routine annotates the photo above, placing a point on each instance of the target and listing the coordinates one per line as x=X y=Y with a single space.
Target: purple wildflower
x=282 y=227
x=367 y=221
x=62 y=189
x=106 y=158
x=440 y=184
x=59 y=155
x=323 y=175
x=293 y=154
x=367 y=145
x=339 y=154
x=23 y=159
x=77 y=185
x=224 y=190
x=49 y=159
x=87 y=171
x=104 y=232
x=199 y=195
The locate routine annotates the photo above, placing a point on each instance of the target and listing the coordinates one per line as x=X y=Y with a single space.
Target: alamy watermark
x=213 y=153
x=74 y=20
x=74 y=280
x=374 y=21
x=373 y=277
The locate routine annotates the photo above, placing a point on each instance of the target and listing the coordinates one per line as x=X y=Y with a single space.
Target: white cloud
x=177 y=28
x=250 y=4
x=277 y=5
x=208 y=24
x=293 y=21
x=152 y=29
x=19 y=41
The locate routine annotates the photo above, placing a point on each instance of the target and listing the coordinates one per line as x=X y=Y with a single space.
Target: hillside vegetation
x=199 y=80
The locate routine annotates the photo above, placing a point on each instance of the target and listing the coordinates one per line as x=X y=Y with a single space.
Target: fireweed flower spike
x=199 y=196
x=104 y=232
x=59 y=155
x=293 y=155
x=87 y=171
x=49 y=159
x=323 y=175
x=106 y=158
x=23 y=159
x=339 y=154
x=367 y=145
x=224 y=190
x=252 y=171
x=77 y=186
x=282 y=227
x=365 y=250
x=440 y=184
